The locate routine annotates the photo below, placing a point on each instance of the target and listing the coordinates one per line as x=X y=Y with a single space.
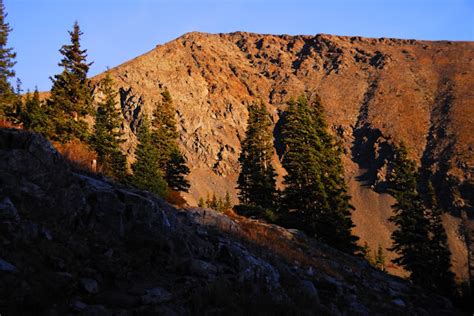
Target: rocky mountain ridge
x=376 y=92
x=76 y=243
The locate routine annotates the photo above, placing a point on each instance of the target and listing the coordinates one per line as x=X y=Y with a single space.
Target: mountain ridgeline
x=354 y=147
x=376 y=93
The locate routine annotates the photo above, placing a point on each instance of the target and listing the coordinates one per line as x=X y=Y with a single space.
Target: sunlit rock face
x=376 y=92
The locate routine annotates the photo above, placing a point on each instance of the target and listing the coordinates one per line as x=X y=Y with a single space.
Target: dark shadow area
x=302 y=55
x=378 y=60
x=439 y=150
x=259 y=43
x=467 y=193
x=371 y=150
x=277 y=136
x=73 y=244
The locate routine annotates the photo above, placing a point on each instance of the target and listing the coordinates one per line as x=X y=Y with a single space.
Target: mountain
x=76 y=243
x=376 y=92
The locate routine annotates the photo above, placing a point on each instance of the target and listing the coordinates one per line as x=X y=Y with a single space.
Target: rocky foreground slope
x=73 y=243
x=376 y=92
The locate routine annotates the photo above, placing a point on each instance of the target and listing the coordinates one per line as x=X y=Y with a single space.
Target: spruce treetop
x=7 y=61
x=7 y=55
x=74 y=60
x=71 y=94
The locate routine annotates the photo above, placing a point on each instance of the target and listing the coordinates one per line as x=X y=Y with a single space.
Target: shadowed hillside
x=75 y=243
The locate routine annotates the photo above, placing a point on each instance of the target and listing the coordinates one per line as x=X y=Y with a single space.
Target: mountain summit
x=376 y=93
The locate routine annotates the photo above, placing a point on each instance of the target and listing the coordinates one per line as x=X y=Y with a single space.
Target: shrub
x=175 y=198
x=270 y=216
x=79 y=155
x=7 y=124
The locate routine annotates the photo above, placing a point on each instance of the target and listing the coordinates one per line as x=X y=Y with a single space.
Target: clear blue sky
x=118 y=30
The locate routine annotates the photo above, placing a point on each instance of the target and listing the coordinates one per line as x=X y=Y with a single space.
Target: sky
x=118 y=30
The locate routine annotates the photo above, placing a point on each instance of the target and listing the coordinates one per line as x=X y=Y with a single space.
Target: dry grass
x=7 y=124
x=293 y=249
x=78 y=154
x=175 y=198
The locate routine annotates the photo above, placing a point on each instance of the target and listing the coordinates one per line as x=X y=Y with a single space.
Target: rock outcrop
x=78 y=243
x=377 y=92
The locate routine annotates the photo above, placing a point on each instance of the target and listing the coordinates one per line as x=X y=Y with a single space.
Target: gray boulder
x=8 y=211
x=6 y=266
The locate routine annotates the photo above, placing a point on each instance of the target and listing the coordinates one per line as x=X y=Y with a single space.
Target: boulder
x=8 y=211
x=156 y=295
x=95 y=310
x=202 y=268
x=6 y=266
x=309 y=290
x=90 y=285
x=399 y=302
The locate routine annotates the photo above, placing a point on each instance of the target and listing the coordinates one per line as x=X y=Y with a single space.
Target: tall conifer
x=13 y=111
x=165 y=135
x=440 y=256
x=107 y=135
x=315 y=198
x=256 y=182
x=71 y=94
x=7 y=61
x=146 y=168
x=380 y=258
x=420 y=239
x=34 y=116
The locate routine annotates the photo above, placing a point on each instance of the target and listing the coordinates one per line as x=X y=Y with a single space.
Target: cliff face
x=74 y=243
x=376 y=92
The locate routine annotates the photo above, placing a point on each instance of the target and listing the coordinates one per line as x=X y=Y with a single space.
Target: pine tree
x=107 y=135
x=214 y=202
x=165 y=135
x=227 y=202
x=256 y=182
x=419 y=239
x=14 y=111
x=380 y=259
x=440 y=257
x=34 y=116
x=201 y=203
x=411 y=238
x=366 y=253
x=315 y=198
x=176 y=169
x=208 y=200
x=7 y=61
x=71 y=94
x=146 y=169
x=24 y=115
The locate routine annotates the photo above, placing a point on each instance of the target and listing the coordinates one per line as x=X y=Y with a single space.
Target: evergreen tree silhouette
x=71 y=94
x=256 y=182
x=315 y=198
x=107 y=135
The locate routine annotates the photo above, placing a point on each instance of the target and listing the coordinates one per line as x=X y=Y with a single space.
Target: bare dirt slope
x=376 y=92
